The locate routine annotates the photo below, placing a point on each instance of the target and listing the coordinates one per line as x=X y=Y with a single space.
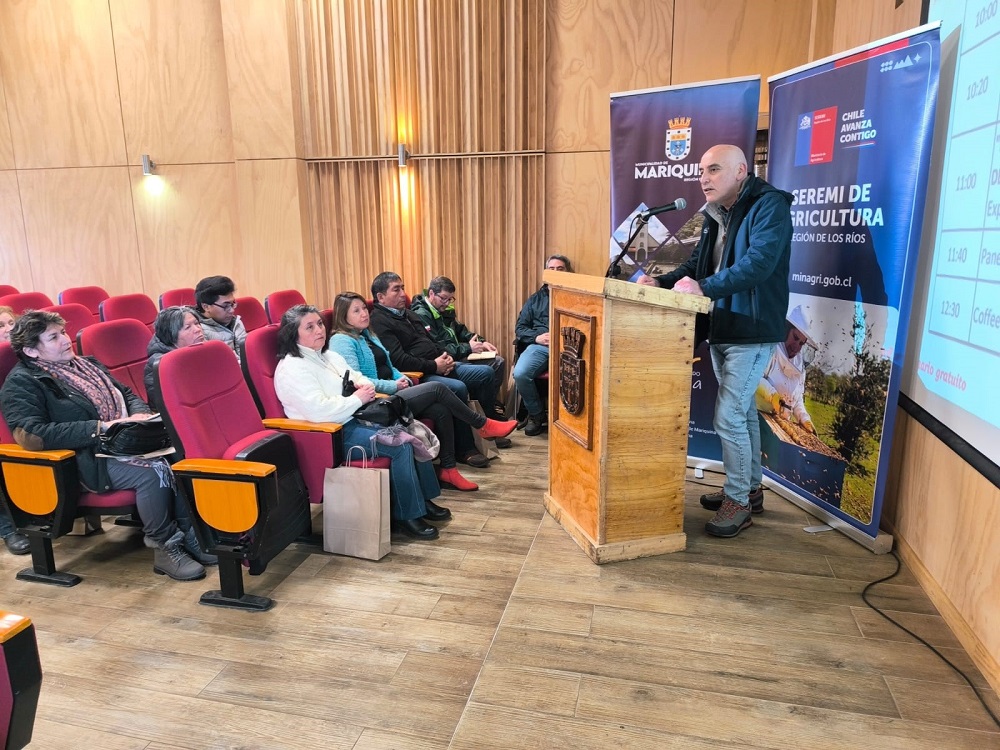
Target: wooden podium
x=619 y=402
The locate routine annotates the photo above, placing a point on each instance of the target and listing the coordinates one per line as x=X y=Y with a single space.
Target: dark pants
x=436 y=401
x=160 y=508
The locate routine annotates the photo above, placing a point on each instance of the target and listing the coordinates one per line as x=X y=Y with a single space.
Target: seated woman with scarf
x=309 y=382
x=54 y=400
x=361 y=349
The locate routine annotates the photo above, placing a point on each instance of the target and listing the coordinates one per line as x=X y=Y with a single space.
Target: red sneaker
x=451 y=478
x=495 y=429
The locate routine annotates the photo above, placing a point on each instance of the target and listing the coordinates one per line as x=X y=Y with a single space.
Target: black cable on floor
x=864 y=597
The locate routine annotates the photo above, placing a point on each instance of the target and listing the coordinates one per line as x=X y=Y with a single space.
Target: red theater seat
x=240 y=479
x=276 y=303
x=6 y=289
x=251 y=312
x=90 y=297
x=176 y=297
x=136 y=306
x=120 y=345
x=25 y=301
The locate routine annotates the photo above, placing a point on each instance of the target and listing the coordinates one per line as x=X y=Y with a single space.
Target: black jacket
x=410 y=346
x=155 y=350
x=751 y=288
x=534 y=318
x=47 y=414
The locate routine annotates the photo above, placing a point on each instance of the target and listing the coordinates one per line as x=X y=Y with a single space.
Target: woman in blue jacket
x=363 y=352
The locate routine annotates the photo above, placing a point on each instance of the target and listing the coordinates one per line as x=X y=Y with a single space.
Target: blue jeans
x=533 y=362
x=480 y=381
x=411 y=482
x=739 y=368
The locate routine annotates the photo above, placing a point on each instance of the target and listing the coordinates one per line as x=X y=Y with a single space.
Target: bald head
x=723 y=172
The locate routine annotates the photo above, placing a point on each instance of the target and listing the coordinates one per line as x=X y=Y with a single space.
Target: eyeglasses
x=446 y=300
x=227 y=306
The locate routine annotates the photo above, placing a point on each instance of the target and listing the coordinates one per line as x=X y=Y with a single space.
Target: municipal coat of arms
x=571 y=370
x=678 y=138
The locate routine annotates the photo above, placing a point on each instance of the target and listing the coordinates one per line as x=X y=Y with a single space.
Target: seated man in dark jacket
x=532 y=332
x=411 y=349
x=437 y=311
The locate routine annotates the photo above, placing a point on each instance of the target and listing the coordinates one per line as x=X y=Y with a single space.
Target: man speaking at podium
x=741 y=264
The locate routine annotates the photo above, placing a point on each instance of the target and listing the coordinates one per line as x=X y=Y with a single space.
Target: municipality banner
x=657 y=139
x=850 y=137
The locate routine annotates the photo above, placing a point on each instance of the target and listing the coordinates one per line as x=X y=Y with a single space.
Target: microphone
x=678 y=205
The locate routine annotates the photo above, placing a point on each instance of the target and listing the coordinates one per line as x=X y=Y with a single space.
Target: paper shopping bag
x=356 y=512
x=488 y=447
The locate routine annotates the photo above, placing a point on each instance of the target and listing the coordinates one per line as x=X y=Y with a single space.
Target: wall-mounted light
x=148 y=165
x=403 y=155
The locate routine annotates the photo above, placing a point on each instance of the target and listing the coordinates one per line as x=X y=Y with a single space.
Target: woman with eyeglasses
x=215 y=297
x=309 y=382
x=361 y=349
x=175 y=328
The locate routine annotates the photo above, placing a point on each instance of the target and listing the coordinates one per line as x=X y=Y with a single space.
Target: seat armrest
x=222 y=467
x=413 y=375
x=282 y=423
x=9 y=450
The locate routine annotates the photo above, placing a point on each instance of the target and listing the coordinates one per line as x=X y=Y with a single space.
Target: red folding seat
x=77 y=318
x=119 y=345
x=276 y=303
x=43 y=494
x=175 y=297
x=251 y=312
x=25 y=301
x=136 y=306
x=90 y=297
x=240 y=479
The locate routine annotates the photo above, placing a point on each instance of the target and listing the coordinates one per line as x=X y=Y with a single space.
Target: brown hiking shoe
x=730 y=519
x=713 y=501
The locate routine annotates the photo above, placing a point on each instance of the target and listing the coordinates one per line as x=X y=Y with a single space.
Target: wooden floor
x=502 y=634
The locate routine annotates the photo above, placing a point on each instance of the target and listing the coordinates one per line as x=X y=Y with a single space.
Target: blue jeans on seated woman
x=411 y=482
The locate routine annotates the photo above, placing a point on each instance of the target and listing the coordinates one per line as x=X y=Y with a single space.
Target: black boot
x=415 y=528
x=435 y=512
x=535 y=424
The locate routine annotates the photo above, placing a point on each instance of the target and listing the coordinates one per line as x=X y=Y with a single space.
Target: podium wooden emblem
x=572 y=370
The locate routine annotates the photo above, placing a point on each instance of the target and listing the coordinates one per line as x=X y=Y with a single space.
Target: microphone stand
x=614 y=270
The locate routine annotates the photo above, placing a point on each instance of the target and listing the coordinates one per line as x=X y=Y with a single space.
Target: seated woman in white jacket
x=309 y=381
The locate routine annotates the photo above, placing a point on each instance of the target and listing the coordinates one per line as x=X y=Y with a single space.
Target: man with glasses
x=216 y=307
x=437 y=311
x=532 y=342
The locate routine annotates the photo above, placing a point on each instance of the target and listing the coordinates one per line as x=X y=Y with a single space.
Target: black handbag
x=134 y=438
x=384 y=412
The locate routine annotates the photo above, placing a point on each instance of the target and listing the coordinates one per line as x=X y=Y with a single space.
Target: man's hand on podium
x=647 y=280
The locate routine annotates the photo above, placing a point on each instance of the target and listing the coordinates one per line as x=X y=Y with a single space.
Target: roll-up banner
x=658 y=137
x=850 y=137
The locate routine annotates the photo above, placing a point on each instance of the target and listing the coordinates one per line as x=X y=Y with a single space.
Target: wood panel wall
x=461 y=84
x=89 y=86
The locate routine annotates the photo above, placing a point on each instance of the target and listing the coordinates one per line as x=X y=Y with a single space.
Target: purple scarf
x=92 y=382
